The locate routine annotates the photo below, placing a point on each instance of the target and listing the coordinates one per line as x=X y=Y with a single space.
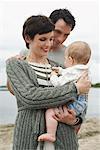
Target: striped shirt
x=43 y=72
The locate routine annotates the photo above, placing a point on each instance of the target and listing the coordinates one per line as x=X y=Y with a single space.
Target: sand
x=89 y=135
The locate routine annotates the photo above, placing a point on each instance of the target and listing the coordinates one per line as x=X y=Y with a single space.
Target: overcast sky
x=14 y=13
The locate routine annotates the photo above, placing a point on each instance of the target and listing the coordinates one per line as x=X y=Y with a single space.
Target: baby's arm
x=55 y=79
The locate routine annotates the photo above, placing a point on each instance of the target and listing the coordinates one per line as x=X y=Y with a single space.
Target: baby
x=77 y=56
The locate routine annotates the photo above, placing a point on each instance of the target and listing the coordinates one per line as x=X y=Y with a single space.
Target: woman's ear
x=27 y=38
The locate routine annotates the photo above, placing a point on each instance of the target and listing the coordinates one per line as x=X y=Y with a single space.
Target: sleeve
x=81 y=116
x=55 y=80
x=80 y=105
x=63 y=79
x=32 y=96
x=60 y=70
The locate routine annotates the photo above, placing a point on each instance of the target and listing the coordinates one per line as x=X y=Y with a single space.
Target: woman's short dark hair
x=37 y=25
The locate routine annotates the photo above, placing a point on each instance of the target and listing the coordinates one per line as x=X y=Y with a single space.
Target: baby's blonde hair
x=79 y=51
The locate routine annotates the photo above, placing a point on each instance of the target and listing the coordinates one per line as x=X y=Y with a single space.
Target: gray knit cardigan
x=32 y=101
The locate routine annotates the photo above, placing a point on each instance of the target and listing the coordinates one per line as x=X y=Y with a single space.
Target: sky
x=14 y=13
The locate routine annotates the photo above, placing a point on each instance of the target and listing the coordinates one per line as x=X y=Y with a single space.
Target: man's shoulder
x=24 y=52
x=63 y=47
x=54 y=64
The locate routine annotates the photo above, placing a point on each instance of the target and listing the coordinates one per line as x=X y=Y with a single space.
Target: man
x=64 y=23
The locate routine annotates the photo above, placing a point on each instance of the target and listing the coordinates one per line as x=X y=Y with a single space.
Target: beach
x=89 y=135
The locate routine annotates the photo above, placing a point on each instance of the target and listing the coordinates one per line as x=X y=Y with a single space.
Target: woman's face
x=41 y=44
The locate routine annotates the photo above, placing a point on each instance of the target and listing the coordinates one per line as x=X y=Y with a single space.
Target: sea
x=8 y=106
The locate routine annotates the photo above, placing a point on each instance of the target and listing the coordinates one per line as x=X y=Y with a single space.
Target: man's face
x=62 y=31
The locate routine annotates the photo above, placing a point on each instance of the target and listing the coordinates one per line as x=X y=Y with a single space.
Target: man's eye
x=51 y=39
x=57 y=32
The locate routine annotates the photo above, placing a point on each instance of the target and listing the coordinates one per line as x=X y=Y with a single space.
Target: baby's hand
x=54 y=72
x=56 y=69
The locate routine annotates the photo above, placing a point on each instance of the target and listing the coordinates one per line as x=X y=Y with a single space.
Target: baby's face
x=67 y=61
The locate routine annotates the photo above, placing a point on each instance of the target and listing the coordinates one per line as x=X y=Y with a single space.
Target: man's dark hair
x=64 y=14
x=37 y=25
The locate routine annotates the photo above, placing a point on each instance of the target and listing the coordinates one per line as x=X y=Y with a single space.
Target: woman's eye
x=43 y=39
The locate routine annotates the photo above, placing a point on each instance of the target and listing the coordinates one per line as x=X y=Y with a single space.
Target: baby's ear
x=71 y=60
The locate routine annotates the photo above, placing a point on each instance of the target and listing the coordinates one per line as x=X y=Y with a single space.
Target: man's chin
x=56 y=46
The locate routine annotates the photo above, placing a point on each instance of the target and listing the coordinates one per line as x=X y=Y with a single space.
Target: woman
x=34 y=94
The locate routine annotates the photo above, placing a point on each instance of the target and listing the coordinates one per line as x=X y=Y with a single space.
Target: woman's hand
x=9 y=87
x=65 y=115
x=19 y=57
x=83 y=84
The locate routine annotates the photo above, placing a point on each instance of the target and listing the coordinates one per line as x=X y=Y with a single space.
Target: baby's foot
x=46 y=137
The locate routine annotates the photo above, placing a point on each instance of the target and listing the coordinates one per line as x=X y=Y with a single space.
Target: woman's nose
x=49 y=43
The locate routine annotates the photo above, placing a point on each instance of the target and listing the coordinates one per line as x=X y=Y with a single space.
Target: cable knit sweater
x=32 y=101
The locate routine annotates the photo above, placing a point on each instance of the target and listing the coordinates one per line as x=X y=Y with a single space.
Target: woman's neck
x=37 y=59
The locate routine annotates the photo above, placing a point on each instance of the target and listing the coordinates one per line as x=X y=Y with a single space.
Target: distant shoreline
x=96 y=85
x=3 y=89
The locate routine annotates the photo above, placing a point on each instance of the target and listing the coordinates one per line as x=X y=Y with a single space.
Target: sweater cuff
x=75 y=88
